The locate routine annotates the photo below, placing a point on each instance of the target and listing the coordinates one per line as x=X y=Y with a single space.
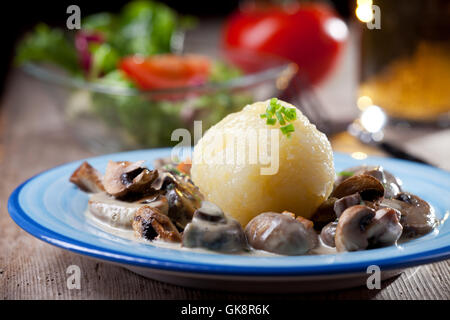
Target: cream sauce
x=117 y=221
x=115 y=213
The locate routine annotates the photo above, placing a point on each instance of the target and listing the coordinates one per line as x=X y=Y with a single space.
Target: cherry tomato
x=166 y=71
x=309 y=34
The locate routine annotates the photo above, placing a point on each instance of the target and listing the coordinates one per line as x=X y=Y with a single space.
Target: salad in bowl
x=124 y=82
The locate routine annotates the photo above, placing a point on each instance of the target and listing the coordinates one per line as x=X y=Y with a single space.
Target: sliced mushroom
x=281 y=234
x=332 y=208
x=346 y=202
x=162 y=181
x=328 y=233
x=87 y=178
x=124 y=177
x=120 y=214
x=117 y=214
x=324 y=214
x=417 y=216
x=156 y=201
x=385 y=228
x=360 y=227
x=392 y=185
x=351 y=229
x=151 y=224
x=377 y=172
x=366 y=185
x=175 y=195
x=183 y=199
x=211 y=229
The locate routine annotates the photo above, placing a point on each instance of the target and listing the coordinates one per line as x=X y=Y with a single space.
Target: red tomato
x=309 y=34
x=166 y=71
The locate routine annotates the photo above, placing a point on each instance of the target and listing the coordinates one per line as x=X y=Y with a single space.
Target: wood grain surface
x=33 y=138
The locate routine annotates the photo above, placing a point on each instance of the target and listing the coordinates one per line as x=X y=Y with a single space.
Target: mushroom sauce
x=110 y=225
x=366 y=209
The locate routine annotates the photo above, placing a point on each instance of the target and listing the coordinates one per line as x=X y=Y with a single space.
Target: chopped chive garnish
x=288 y=129
x=280 y=118
x=275 y=111
x=272 y=106
x=290 y=114
x=346 y=173
x=271 y=121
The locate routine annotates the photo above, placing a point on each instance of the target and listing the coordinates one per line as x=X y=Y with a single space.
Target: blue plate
x=52 y=209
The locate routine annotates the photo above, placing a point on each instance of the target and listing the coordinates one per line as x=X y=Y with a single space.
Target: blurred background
x=28 y=13
x=373 y=75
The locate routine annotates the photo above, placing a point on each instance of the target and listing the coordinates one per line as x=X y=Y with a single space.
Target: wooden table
x=33 y=138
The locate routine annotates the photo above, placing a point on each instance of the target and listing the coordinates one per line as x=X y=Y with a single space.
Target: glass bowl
x=108 y=118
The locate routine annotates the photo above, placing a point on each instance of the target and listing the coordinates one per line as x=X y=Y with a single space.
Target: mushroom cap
x=328 y=234
x=211 y=229
x=123 y=177
x=392 y=184
x=351 y=228
x=324 y=214
x=280 y=233
x=385 y=228
x=183 y=197
x=208 y=211
x=346 y=202
x=417 y=216
x=360 y=227
x=366 y=185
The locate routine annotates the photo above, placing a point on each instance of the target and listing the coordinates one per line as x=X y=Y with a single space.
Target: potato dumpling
x=225 y=170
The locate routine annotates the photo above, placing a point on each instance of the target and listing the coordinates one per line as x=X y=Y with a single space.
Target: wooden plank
x=33 y=138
